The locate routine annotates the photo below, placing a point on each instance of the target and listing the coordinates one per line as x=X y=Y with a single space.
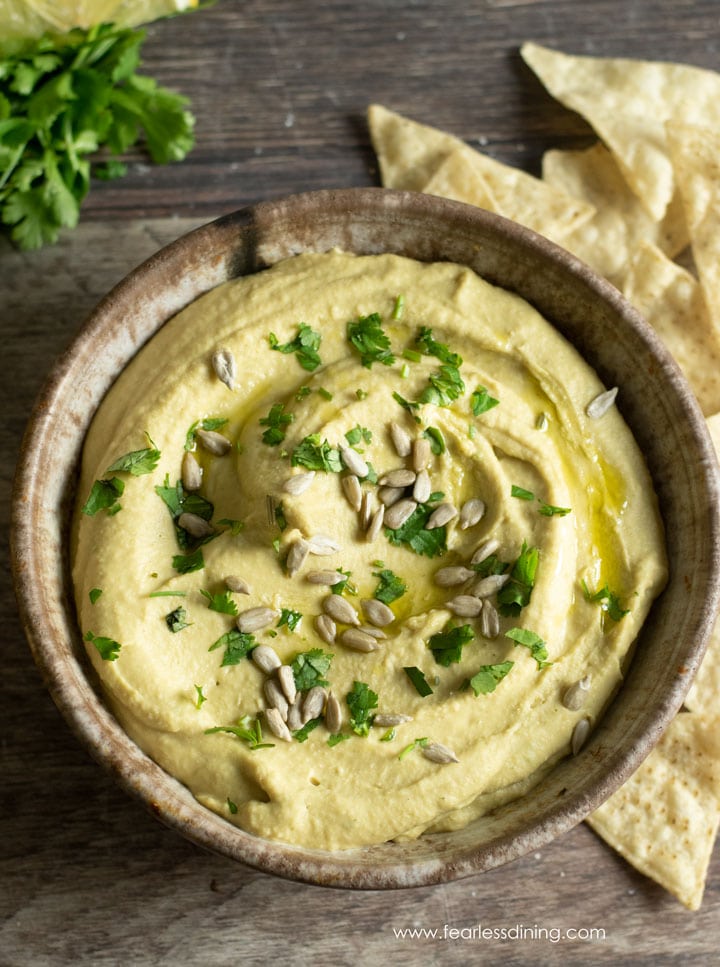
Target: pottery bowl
x=655 y=401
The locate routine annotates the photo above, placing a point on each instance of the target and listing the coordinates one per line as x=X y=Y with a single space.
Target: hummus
x=466 y=693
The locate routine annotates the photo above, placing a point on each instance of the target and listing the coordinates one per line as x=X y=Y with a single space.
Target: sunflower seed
x=484 y=551
x=276 y=725
x=441 y=516
x=398 y=478
x=390 y=495
x=295 y=715
x=471 y=513
x=353 y=461
x=401 y=439
x=450 y=577
x=275 y=698
x=396 y=515
x=333 y=714
x=436 y=752
x=321 y=545
x=352 y=490
x=579 y=736
x=601 y=404
x=420 y=453
x=359 y=640
x=465 y=606
x=489 y=620
x=377 y=612
x=575 y=695
x=340 y=610
x=254 y=619
x=223 y=364
x=328 y=578
x=265 y=658
x=236 y=585
x=191 y=472
x=487 y=586
x=195 y=525
x=297 y=555
x=213 y=442
x=287 y=682
x=388 y=719
x=375 y=525
x=326 y=629
x=313 y=703
x=374 y=631
x=367 y=508
x=423 y=487
x=299 y=483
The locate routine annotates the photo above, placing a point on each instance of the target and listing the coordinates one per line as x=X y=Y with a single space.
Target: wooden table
x=280 y=88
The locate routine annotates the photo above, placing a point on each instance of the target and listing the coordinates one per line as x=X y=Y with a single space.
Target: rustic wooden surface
x=280 y=89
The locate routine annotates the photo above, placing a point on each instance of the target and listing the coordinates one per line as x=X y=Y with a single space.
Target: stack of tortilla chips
x=646 y=195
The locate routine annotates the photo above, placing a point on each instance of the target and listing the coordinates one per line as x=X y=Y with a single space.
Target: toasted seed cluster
x=474 y=600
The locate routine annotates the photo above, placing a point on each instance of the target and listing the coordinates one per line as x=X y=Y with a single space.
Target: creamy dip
x=510 y=624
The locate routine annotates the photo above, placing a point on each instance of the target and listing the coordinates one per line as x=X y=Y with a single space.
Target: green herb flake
x=176 y=620
x=301 y=734
x=361 y=701
x=137 y=462
x=398 y=307
x=359 y=434
x=94 y=594
x=390 y=586
x=200 y=697
x=608 y=600
x=548 y=510
x=487 y=677
x=104 y=495
x=280 y=518
x=247 y=729
x=344 y=583
x=437 y=440
x=440 y=350
x=529 y=639
x=232 y=807
x=481 y=401
x=187 y=563
x=446 y=386
x=367 y=336
x=277 y=422
x=305 y=345
x=337 y=738
x=415 y=744
x=389 y=735
x=108 y=648
x=237 y=645
x=408 y=405
x=309 y=668
x=521 y=493
x=221 y=601
x=209 y=423
x=516 y=593
x=316 y=454
x=289 y=619
x=413 y=534
x=419 y=681
x=447 y=645
x=234 y=527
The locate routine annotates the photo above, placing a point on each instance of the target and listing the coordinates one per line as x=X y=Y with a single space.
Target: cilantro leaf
x=516 y=594
x=549 y=510
x=408 y=405
x=179 y=501
x=529 y=639
x=440 y=350
x=176 y=620
x=481 y=401
x=237 y=645
x=247 y=729
x=487 y=677
x=437 y=440
x=521 y=493
x=314 y=454
x=366 y=334
x=104 y=495
x=211 y=423
x=447 y=645
x=309 y=668
x=187 y=563
x=390 y=588
x=137 y=462
x=415 y=744
x=276 y=422
x=302 y=733
x=221 y=602
x=413 y=533
x=289 y=618
x=358 y=434
x=446 y=386
x=419 y=681
x=94 y=594
x=361 y=701
x=109 y=648
x=305 y=346
x=608 y=600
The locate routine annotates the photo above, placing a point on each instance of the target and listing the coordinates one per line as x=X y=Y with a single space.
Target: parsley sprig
x=305 y=345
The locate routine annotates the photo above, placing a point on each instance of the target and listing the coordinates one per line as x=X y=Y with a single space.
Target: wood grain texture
x=280 y=90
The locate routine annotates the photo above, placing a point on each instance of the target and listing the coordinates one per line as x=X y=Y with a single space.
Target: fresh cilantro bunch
x=61 y=101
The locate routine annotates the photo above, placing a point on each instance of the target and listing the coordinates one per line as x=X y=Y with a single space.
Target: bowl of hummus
x=373 y=538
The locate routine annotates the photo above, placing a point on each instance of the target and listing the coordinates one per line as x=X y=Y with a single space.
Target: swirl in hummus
x=467 y=658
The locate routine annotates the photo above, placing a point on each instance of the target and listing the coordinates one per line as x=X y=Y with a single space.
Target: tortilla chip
x=455 y=178
x=620 y=221
x=410 y=155
x=664 y=819
x=695 y=153
x=627 y=102
x=671 y=300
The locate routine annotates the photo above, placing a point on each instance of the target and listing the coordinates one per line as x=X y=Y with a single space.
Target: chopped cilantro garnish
x=358 y=434
x=516 y=594
x=276 y=422
x=94 y=594
x=369 y=338
x=408 y=405
x=446 y=386
x=389 y=735
x=608 y=600
x=104 y=495
x=314 y=454
x=414 y=535
x=187 y=563
x=521 y=493
x=109 y=648
x=234 y=526
x=344 y=583
x=222 y=602
x=209 y=423
x=178 y=501
x=398 y=307
x=390 y=588
x=280 y=518
x=176 y=620
x=309 y=668
x=338 y=738
x=529 y=639
x=200 y=697
x=305 y=346
x=447 y=645
x=419 y=681
x=290 y=619
x=237 y=645
x=232 y=807
x=137 y=462
x=481 y=401
x=437 y=441
x=247 y=729
x=490 y=565
x=302 y=734
x=486 y=679
x=415 y=744
x=548 y=510
x=361 y=701
x=440 y=350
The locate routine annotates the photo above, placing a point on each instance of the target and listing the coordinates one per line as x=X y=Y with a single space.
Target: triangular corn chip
x=459 y=180
x=620 y=221
x=664 y=819
x=410 y=154
x=671 y=300
x=627 y=102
